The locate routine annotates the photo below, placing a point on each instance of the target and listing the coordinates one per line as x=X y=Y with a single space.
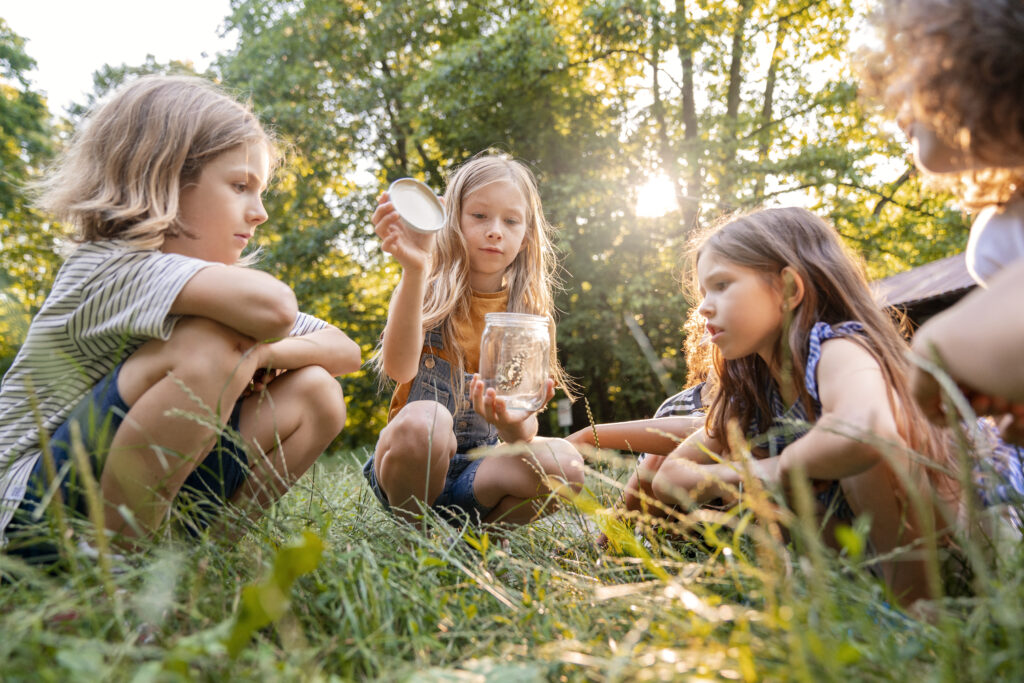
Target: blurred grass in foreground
x=715 y=595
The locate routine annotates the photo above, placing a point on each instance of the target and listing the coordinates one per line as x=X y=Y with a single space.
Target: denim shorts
x=99 y=415
x=433 y=383
x=457 y=500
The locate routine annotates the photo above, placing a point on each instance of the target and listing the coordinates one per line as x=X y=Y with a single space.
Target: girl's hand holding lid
x=410 y=248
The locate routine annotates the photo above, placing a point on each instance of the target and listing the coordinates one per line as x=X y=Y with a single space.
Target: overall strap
x=432 y=340
x=822 y=332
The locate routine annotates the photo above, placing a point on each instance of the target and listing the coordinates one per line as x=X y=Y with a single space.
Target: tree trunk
x=732 y=107
x=764 y=136
x=689 y=203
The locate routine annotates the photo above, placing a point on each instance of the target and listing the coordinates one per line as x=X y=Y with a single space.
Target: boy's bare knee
x=194 y=337
x=206 y=351
x=201 y=353
x=323 y=397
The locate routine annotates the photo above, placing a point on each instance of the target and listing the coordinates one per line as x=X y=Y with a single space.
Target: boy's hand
x=261 y=380
x=511 y=424
x=410 y=248
x=928 y=393
x=1009 y=416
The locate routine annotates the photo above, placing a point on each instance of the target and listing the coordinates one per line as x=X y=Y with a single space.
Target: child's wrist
x=414 y=270
x=514 y=434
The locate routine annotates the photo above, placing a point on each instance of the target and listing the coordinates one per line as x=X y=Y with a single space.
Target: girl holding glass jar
x=492 y=254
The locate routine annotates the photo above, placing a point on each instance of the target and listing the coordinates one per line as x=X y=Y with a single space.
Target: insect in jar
x=510 y=375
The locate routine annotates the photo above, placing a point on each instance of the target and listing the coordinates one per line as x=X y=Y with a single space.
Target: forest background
x=641 y=119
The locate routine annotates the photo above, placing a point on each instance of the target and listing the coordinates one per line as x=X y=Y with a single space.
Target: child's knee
x=661 y=486
x=420 y=433
x=202 y=354
x=570 y=462
x=422 y=423
x=323 y=398
x=205 y=349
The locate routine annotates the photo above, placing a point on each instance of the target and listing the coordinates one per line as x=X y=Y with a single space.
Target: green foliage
x=28 y=260
x=265 y=602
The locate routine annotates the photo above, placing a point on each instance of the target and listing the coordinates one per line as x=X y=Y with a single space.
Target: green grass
x=723 y=599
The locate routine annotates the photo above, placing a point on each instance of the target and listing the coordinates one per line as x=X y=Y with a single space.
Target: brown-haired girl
x=154 y=338
x=492 y=255
x=799 y=340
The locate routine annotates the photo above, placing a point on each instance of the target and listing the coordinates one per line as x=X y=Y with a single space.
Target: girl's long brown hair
x=835 y=291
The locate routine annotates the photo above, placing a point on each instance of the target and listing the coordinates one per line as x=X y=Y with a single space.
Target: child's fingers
x=549 y=392
x=388 y=222
x=499 y=408
x=986 y=404
x=390 y=245
x=981 y=404
x=476 y=396
x=379 y=213
x=998 y=404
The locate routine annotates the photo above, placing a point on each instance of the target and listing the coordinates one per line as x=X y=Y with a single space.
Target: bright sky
x=70 y=39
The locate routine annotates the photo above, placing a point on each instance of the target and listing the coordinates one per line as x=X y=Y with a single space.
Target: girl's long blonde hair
x=121 y=175
x=835 y=291
x=530 y=278
x=957 y=66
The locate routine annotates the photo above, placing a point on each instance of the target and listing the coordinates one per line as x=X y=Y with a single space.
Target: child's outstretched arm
x=978 y=342
x=856 y=416
x=248 y=301
x=402 y=340
x=659 y=436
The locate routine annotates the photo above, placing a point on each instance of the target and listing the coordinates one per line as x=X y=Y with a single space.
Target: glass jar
x=514 y=357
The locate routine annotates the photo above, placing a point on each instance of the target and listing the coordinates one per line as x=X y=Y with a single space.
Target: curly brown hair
x=957 y=67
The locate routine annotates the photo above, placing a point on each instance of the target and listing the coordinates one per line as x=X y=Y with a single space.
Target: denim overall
x=433 y=383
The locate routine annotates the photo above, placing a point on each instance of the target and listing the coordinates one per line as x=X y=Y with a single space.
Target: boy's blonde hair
x=530 y=278
x=121 y=175
x=957 y=66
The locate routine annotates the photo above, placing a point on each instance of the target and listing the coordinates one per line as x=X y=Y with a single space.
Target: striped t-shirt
x=109 y=298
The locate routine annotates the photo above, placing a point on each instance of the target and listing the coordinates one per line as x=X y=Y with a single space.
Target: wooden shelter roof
x=941 y=279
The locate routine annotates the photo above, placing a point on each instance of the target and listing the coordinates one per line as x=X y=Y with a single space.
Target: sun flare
x=656 y=197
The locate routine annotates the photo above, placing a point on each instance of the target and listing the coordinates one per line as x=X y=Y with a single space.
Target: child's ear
x=792 y=288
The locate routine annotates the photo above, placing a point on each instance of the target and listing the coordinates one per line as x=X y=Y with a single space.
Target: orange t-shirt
x=468 y=332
